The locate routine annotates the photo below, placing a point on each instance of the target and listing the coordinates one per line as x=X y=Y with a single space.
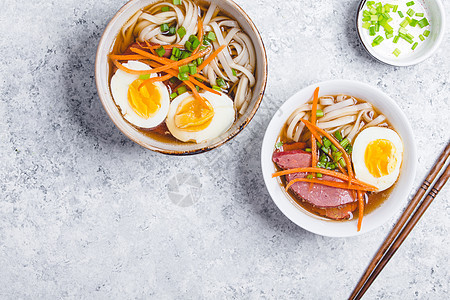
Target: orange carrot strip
x=196 y=94
x=199 y=76
x=203 y=86
x=322 y=171
x=172 y=65
x=200 y=34
x=129 y=71
x=149 y=47
x=360 y=209
x=126 y=57
x=335 y=184
x=313 y=120
x=210 y=58
x=167 y=46
x=312 y=127
x=155 y=79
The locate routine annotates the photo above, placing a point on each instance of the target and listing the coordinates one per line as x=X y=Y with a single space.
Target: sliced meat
x=320 y=196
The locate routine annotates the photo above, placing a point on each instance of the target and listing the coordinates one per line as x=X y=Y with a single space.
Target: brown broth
x=375 y=200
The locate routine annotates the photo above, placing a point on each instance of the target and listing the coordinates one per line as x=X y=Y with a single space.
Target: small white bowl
x=425 y=49
x=380 y=215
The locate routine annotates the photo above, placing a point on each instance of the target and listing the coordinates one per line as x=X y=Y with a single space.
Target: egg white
x=224 y=116
x=359 y=148
x=120 y=83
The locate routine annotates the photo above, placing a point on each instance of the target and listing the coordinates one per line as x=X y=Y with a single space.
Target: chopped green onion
x=164 y=27
x=321 y=164
x=220 y=82
x=199 y=61
x=234 y=72
x=324 y=149
x=308 y=149
x=333 y=148
x=372 y=31
x=176 y=52
x=377 y=27
x=410 y=3
x=215 y=87
x=400 y=14
x=394 y=9
x=173 y=95
x=165 y=8
x=181 y=31
x=188 y=45
x=419 y=14
x=403 y=36
x=423 y=22
x=197 y=88
x=185 y=54
x=403 y=30
x=414 y=45
x=318 y=144
x=144 y=76
x=160 y=51
x=349 y=149
x=172 y=30
x=183 y=76
x=183 y=69
x=326 y=142
x=342 y=163
x=319 y=113
x=410 y=36
x=211 y=36
x=192 y=38
x=323 y=158
x=389 y=35
x=173 y=80
x=195 y=44
x=413 y=23
x=396 y=39
x=182 y=89
x=338 y=135
x=344 y=142
x=173 y=57
x=366 y=19
x=193 y=69
x=366 y=25
x=176 y=2
x=426 y=33
x=404 y=23
x=377 y=40
x=421 y=38
x=309 y=176
x=279 y=145
x=319 y=175
x=396 y=52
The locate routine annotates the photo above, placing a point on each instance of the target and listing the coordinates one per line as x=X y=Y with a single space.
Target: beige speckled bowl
x=102 y=79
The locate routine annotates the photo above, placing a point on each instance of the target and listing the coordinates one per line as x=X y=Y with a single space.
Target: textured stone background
x=86 y=213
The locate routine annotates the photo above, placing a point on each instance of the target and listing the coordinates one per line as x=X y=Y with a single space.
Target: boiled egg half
x=144 y=106
x=377 y=156
x=189 y=119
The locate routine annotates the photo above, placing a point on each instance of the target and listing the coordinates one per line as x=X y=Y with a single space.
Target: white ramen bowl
x=436 y=12
x=388 y=208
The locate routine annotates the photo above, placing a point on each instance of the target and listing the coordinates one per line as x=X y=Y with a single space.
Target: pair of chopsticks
x=405 y=224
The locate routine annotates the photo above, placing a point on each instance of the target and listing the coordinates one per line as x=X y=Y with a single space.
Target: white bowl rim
x=409 y=62
x=299 y=217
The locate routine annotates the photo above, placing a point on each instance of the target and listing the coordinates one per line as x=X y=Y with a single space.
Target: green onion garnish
x=366 y=25
x=188 y=45
x=176 y=52
x=176 y=2
x=338 y=135
x=279 y=145
x=220 y=82
x=173 y=95
x=396 y=39
x=211 y=36
x=372 y=31
x=403 y=36
x=403 y=30
x=173 y=57
x=215 y=87
x=309 y=176
x=183 y=76
x=333 y=148
x=414 y=45
x=181 y=31
x=419 y=14
x=404 y=23
x=410 y=3
x=160 y=51
x=185 y=54
x=396 y=52
x=172 y=30
x=318 y=175
x=183 y=69
x=344 y=142
x=377 y=40
x=326 y=142
x=144 y=76
x=389 y=35
x=193 y=69
x=421 y=38
x=423 y=22
x=326 y=150
x=318 y=144
x=308 y=149
x=342 y=163
x=400 y=14
x=165 y=8
x=413 y=23
x=164 y=27
x=199 y=61
x=410 y=36
x=426 y=33
x=234 y=72
x=319 y=113
x=182 y=89
x=173 y=80
x=394 y=9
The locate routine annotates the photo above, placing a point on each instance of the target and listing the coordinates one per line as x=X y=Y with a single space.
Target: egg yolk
x=380 y=157
x=192 y=115
x=145 y=101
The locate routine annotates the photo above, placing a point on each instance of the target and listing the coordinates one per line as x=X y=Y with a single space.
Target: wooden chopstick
x=364 y=282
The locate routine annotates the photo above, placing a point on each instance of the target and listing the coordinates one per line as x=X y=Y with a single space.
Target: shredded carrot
x=200 y=34
x=126 y=57
x=129 y=71
x=155 y=79
x=322 y=171
x=196 y=94
x=172 y=65
x=313 y=139
x=149 y=47
x=199 y=76
x=210 y=58
x=360 y=209
x=312 y=127
x=335 y=184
